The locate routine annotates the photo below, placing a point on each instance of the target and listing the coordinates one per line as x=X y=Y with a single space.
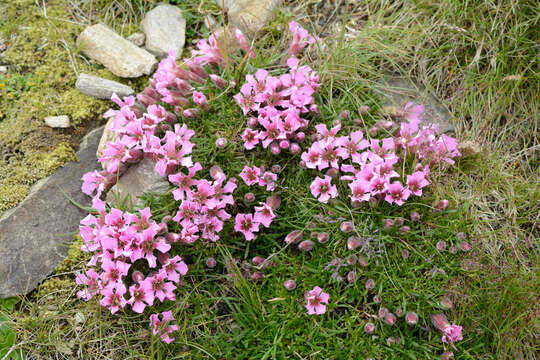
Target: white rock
x=61 y=121
x=101 y=88
x=117 y=54
x=165 y=30
x=251 y=15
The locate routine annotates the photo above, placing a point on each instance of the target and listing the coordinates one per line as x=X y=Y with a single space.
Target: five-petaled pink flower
x=163 y=327
x=452 y=333
x=245 y=224
x=323 y=189
x=316 y=301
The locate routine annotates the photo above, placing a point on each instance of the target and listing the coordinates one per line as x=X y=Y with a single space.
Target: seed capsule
x=257 y=276
x=346 y=226
x=369 y=328
x=257 y=260
x=294 y=237
x=221 y=143
x=323 y=237
x=289 y=284
x=370 y=284
x=306 y=245
x=390 y=319
x=351 y=276
x=211 y=262
x=411 y=318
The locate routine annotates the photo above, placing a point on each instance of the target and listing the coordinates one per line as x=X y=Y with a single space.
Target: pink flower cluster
x=373 y=163
x=275 y=106
x=452 y=333
x=256 y=176
x=117 y=240
x=164 y=327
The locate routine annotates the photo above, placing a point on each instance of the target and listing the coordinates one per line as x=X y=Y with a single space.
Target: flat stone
x=138 y=179
x=251 y=15
x=165 y=30
x=137 y=39
x=101 y=88
x=35 y=236
x=61 y=121
x=397 y=91
x=117 y=54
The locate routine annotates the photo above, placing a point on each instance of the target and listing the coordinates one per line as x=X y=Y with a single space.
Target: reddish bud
x=191 y=113
x=323 y=237
x=273 y=201
x=362 y=261
x=294 y=237
x=302 y=165
x=249 y=197
x=440 y=321
x=295 y=148
x=382 y=312
x=390 y=341
x=358 y=121
x=453 y=249
x=336 y=122
x=274 y=148
x=315 y=110
x=306 y=245
x=390 y=319
x=461 y=236
x=218 y=81
x=332 y=172
x=399 y=221
x=415 y=216
x=310 y=225
x=388 y=223
x=399 y=312
x=221 y=143
x=351 y=260
x=441 y=246
x=369 y=328
x=211 y=262
x=441 y=205
x=373 y=131
x=137 y=276
x=276 y=168
x=284 y=144
x=346 y=226
x=257 y=260
x=404 y=229
x=446 y=303
x=351 y=276
x=464 y=246
x=253 y=122
x=411 y=318
x=257 y=276
x=448 y=355
x=172 y=238
x=216 y=172
x=370 y=284
x=377 y=299
x=300 y=137
x=353 y=242
x=363 y=109
x=344 y=114
x=289 y=284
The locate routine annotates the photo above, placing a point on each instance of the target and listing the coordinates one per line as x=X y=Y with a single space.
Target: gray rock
x=138 y=179
x=61 y=121
x=3 y=69
x=165 y=30
x=400 y=90
x=251 y=15
x=117 y=54
x=35 y=236
x=101 y=88
x=137 y=39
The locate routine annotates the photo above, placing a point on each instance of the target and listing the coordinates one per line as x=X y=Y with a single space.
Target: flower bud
x=441 y=205
x=313 y=234
x=377 y=299
x=363 y=109
x=453 y=249
x=275 y=149
x=344 y=115
x=284 y=144
x=252 y=122
x=295 y=148
x=249 y=197
x=369 y=328
x=306 y=245
x=191 y=113
x=289 y=284
x=336 y=122
x=302 y=165
x=399 y=312
x=273 y=201
x=448 y=355
x=256 y=276
x=440 y=321
x=146 y=100
x=362 y=261
x=461 y=236
x=464 y=246
x=163 y=257
x=415 y=216
x=310 y=225
x=172 y=238
x=411 y=318
x=356 y=204
x=351 y=277
x=382 y=312
x=323 y=237
x=388 y=223
x=373 y=131
x=218 y=81
x=399 y=221
x=353 y=242
x=405 y=253
x=197 y=69
x=370 y=284
x=441 y=246
x=315 y=110
x=162 y=228
x=137 y=276
x=390 y=319
x=404 y=229
x=300 y=137
x=294 y=237
x=276 y=168
x=351 y=260
x=221 y=142
x=390 y=341
x=216 y=172
x=346 y=226
x=358 y=121
x=388 y=124
x=332 y=172
x=211 y=262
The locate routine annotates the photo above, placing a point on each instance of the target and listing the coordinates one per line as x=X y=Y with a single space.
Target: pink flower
x=416 y=181
x=316 y=300
x=360 y=190
x=242 y=41
x=244 y=223
x=174 y=267
x=163 y=327
x=269 y=180
x=264 y=215
x=251 y=138
x=301 y=38
x=162 y=289
x=397 y=193
x=452 y=333
x=413 y=114
x=184 y=182
x=200 y=99
x=93 y=181
x=250 y=176
x=113 y=297
x=322 y=189
x=141 y=296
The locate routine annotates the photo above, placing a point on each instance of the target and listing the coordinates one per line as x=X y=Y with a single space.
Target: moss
x=75 y=256
x=10 y=196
